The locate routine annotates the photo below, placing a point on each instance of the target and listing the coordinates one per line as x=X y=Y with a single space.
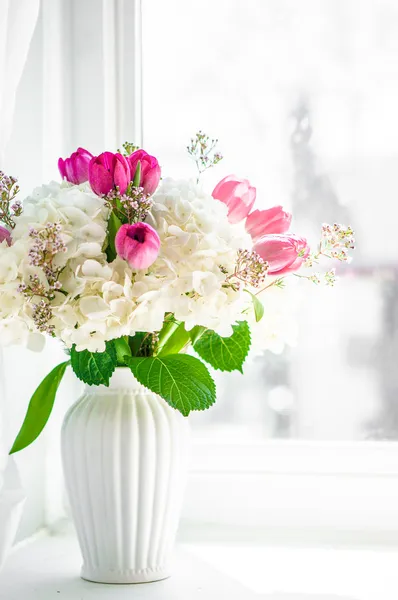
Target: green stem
x=196 y=333
x=269 y=285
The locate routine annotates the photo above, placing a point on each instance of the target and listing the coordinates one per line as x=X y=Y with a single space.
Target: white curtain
x=17 y=23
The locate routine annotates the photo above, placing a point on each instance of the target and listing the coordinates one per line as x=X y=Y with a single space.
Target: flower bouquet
x=155 y=278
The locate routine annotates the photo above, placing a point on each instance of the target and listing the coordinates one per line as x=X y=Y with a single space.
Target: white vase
x=125 y=453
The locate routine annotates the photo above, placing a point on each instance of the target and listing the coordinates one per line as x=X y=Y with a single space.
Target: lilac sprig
x=9 y=206
x=250 y=269
x=132 y=207
x=47 y=243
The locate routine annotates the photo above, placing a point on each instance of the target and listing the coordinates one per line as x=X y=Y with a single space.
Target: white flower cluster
x=83 y=223
x=97 y=301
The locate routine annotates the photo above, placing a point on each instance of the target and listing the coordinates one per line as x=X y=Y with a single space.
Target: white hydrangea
x=101 y=301
x=198 y=246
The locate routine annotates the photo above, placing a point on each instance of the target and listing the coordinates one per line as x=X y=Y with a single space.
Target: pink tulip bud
x=238 y=195
x=107 y=171
x=75 y=168
x=5 y=235
x=150 y=170
x=283 y=252
x=138 y=244
x=263 y=222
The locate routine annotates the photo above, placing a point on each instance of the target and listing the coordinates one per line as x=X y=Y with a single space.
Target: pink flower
x=5 y=235
x=238 y=195
x=138 y=244
x=263 y=222
x=150 y=170
x=283 y=252
x=75 y=168
x=107 y=171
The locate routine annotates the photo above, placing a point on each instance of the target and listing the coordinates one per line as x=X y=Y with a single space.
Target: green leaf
x=137 y=175
x=122 y=349
x=225 y=354
x=258 y=307
x=182 y=380
x=94 y=368
x=114 y=224
x=39 y=409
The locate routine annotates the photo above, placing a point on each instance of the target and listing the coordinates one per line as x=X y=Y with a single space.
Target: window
x=302 y=96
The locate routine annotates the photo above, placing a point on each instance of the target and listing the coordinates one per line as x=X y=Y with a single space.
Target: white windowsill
x=48 y=568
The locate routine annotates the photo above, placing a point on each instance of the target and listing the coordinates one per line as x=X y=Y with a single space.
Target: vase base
x=124 y=576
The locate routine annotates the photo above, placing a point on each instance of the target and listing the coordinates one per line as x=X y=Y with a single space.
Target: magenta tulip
x=75 y=168
x=107 y=171
x=138 y=244
x=263 y=222
x=238 y=195
x=150 y=170
x=5 y=235
x=284 y=253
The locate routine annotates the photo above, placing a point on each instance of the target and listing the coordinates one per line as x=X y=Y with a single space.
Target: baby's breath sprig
x=250 y=269
x=203 y=151
x=329 y=278
x=9 y=206
x=128 y=148
x=336 y=240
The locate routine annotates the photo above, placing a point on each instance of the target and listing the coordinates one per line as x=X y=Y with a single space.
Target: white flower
x=100 y=301
x=13 y=331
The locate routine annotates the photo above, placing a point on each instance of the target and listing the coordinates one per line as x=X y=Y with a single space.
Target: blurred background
x=302 y=96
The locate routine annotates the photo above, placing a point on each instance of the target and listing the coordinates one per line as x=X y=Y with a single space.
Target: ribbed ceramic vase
x=125 y=454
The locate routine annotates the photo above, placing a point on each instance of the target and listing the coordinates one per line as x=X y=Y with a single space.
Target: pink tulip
x=107 y=171
x=150 y=170
x=283 y=252
x=75 y=168
x=5 y=235
x=138 y=244
x=238 y=195
x=263 y=222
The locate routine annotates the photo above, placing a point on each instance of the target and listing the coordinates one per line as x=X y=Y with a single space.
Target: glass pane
x=302 y=95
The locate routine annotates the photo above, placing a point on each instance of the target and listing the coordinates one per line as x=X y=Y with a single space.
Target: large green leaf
x=39 y=409
x=94 y=368
x=182 y=380
x=225 y=354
